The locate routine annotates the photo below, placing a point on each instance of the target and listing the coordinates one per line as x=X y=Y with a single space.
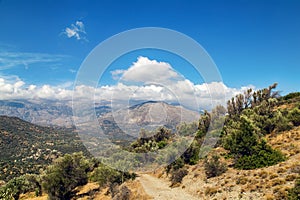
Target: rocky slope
x=148 y=115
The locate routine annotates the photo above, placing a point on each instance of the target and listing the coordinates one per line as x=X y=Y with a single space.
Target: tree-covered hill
x=26 y=148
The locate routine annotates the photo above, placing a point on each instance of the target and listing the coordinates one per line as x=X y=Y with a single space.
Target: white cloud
x=150 y=71
x=116 y=74
x=76 y=30
x=173 y=88
x=14 y=59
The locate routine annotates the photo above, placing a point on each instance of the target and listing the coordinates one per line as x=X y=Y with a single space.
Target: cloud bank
x=145 y=80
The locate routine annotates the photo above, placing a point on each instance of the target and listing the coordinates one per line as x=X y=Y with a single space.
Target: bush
x=249 y=150
x=108 y=177
x=242 y=139
x=6 y=193
x=178 y=175
x=177 y=164
x=187 y=129
x=294 y=116
x=19 y=185
x=281 y=122
x=191 y=155
x=263 y=156
x=122 y=194
x=213 y=167
x=162 y=144
x=64 y=175
x=105 y=175
x=291 y=95
x=294 y=193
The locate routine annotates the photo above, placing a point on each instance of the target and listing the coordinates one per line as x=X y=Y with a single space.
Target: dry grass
x=265 y=183
x=263 y=174
x=291 y=177
x=209 y=191
x=31 y=196
x=269 y=196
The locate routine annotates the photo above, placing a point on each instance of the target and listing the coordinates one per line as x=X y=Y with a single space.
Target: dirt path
x=159 y=189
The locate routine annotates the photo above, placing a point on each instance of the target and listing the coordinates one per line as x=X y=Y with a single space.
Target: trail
x=159 y=189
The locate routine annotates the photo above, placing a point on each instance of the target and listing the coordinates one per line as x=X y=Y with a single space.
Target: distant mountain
x=45 y=112
x=148 y=115
x=42 y=112
x=26 y=148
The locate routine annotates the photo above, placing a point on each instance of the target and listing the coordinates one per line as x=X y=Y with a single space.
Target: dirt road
x=159 y=189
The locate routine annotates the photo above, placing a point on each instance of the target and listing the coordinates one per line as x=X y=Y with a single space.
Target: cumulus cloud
x=145 y=80
x=76 y=30
x=149 y=71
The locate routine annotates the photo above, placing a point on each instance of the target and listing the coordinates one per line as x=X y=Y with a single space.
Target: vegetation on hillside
x=61 y=179
x=294 y=193
x=250 y=118
x=28 y=148
x=20 y=185
x=241 y=131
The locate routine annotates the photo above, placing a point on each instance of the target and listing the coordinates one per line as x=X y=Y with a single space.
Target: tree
x=242 y=139
x=105 y=175
x=204 y=123
x=64 y=175
x=249 y=150
x=250 y=99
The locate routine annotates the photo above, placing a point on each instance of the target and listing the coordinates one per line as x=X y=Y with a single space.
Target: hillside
x=27 y=148
x=125 y=124
x=256 y=157
x=270 y=182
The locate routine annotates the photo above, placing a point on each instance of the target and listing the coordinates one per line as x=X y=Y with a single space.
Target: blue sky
x=252 y=42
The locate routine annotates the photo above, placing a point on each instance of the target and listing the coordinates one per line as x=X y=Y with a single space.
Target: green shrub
x=107 y=176
x=177 y=164
x=151 y=141
x=294 y=193
x=191 y=155
x=241 y=139
x=162 y=144
x=263 y=156
x=291 y=95
x=64 y=175
x=6 y=193
x=213 y=167
x=20 y=185
x=249 y=150
x=187 y=129
x=294 y=116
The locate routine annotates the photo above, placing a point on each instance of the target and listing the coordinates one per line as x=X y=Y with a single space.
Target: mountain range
x=148 y=114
